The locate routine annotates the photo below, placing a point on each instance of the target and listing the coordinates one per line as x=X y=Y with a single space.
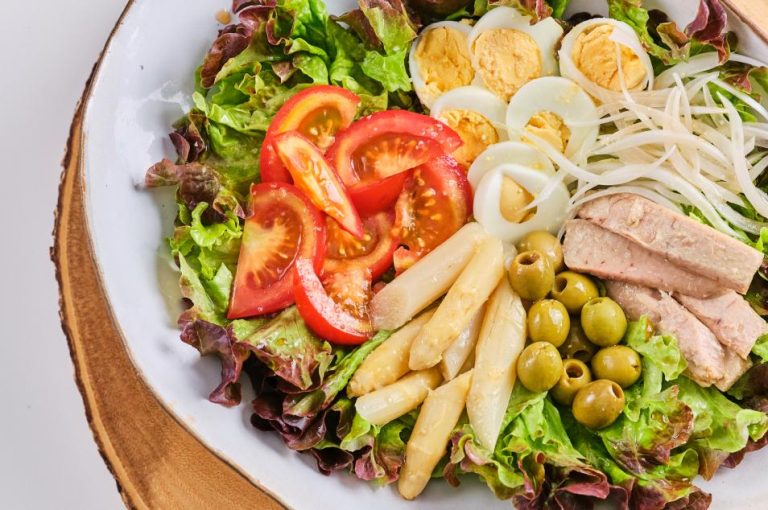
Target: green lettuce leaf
x=649 y=430
x=534 y=460
x=760 y=348
x=720 y=424
x=661 y=351
x=343 y=369
x=536 y=9
x=664 y=40
x=288 y=348
x=382 y=447
x=655 y=487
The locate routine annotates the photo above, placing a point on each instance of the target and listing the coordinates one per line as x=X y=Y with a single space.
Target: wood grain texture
x=753 y=12
x=156 y=462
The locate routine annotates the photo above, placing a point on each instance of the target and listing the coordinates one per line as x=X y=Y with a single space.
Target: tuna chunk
x=684 y=241
x=705 y=355
x=735 y=366
x=589 y=248
x=735 y=324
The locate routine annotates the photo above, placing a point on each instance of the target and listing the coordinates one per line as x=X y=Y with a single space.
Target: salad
x=447 y=239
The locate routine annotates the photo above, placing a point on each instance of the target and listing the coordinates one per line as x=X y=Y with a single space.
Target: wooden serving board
x=156 y=462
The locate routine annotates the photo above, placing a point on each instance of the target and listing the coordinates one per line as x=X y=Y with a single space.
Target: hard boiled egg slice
x=603 y=54
x=508 y=153
x=556 y=110
x=502 y=196
x=439 y=60
x=477 y=115
x=507 y=51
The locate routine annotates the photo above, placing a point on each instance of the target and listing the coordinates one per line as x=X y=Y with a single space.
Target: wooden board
x=156 y=462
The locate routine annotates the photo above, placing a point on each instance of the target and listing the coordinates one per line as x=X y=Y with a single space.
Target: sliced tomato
x=373 y=251
x=283 y=225
x=385 y=144
x=435 y=203
x=317 y=179
x=336 y=309
x=317 y=112
x=373 y=197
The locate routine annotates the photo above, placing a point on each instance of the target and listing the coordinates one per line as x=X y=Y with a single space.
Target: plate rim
x=73 y=162
x=72 y=167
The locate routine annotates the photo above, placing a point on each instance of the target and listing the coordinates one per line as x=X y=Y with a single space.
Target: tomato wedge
x=435 y=203
x=313 y=175
x=371 y=151
x=373 y=251
x=373 y=197
x=317 y=112
x=338 y=310
x=283 y=225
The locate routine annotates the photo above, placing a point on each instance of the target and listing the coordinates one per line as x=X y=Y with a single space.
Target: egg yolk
x=507 y=59
x=551 y=128
x=476 y=131
x=514 y=199
x=443 y=60
x=594 y=53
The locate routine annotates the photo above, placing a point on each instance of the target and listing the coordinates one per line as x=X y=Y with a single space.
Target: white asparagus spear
x=437 y=418
x=459 y=352
x=389 y=362
x=502 y=338
x=424 y=282
x=391 y=402
x=475 y=283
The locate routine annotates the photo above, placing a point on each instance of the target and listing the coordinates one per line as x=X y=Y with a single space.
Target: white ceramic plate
x=143 y=85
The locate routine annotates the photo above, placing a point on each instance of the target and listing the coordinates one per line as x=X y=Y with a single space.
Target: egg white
x=562 y=97
x=550 y=213
x=546 y=33
x=475 y=99
x=622 y=34
x=413 y=65
x=519 y=153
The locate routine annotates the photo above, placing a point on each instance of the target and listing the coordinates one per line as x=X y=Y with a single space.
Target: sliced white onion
x=755 y=195
x=549 y=214
x=508 y=153
x=749 y=100
x=695 y=65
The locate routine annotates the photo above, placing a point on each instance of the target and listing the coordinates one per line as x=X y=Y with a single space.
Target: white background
x=48 y=458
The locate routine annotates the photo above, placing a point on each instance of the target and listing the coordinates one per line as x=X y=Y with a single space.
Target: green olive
x=574 y=377
x=539 y=366
x=548 y=321
x=598 y=404
x=577 y=345
x=546 y=244
x=574 y=290
x=603 y=321
x=531 y=275
x=619 y=364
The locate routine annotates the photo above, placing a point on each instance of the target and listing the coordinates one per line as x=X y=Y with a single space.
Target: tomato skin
x=374 y=197
x=385 y=144
x=321 y=314
x=268 y=200
x=378 y=259
x=435 y=203
x=313 y=175
x=290 y=117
